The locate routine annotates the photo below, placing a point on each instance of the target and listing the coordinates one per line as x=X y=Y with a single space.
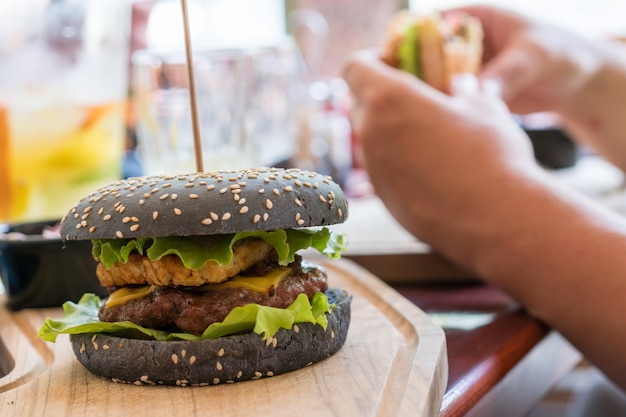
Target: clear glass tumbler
x=63 y=90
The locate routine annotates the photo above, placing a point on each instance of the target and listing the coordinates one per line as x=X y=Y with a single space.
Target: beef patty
x=191 y=310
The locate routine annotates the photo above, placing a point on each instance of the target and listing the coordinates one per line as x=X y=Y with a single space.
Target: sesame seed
x=288 y=188
x=268 y=204
x=298 y=202
x=218 y=366
x=270 y=373
x=189 y=185
x=256 y=218
x=88 y=209
x=155 y=215
x=95 y=345
x=192 y=360
x=276 y=191
x=107 y=217
x=92 y=229
x=210 y=187
x=125 y=219
x=332 y=334
x=261 y=190
x=265 y=216
x=119 y=234
x=340 y=212
x=174 y=197
x=134 y=227
x=166 y=185
x=296 y=328
x=226 y=216
x=174 y=358
x=83 y=347
x=322 y=199
x=78 y=226
x=220 y=352
x=183 y=353
x=100 y=211
x=243 y=210
x=164 y=196
x=216 y=381
x=144 y=378
x=239 y=374
x=206 y=221
x=105 y=347
x=193 y=196
x=301 y=222
x=146 y=195
x=242 y=201
x=298 y=183
x=177 y=211
x=258 y=374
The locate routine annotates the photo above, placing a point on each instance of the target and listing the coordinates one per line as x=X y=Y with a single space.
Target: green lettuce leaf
x=195 y=252
x=82 y=317
x=409 y=53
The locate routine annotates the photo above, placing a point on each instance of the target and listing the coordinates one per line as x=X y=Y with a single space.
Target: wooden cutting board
x=393 y=364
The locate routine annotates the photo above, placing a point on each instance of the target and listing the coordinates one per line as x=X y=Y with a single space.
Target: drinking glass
x=63 y=88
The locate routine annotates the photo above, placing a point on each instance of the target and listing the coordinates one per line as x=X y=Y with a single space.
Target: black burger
x=204 y=279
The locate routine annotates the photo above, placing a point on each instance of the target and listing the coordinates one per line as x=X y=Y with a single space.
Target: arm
x=457 y=172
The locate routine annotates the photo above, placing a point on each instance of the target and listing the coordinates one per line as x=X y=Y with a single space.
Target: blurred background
x=96 y=90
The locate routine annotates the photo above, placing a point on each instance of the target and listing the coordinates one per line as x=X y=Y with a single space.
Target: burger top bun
x=206 y=204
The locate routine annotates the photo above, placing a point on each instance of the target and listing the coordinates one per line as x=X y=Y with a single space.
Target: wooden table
x=501 y=360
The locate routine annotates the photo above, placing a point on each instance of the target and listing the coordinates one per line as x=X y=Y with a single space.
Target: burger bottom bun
x=214 y=361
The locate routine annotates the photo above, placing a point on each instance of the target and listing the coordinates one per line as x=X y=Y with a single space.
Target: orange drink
x=49 y=164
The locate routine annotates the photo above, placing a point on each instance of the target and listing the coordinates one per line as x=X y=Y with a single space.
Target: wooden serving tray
x=393 y=363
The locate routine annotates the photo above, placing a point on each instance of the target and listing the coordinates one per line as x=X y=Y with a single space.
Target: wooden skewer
x=192 y=90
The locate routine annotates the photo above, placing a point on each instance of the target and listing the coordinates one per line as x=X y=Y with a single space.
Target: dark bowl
x=553 y=148
x=42 y=272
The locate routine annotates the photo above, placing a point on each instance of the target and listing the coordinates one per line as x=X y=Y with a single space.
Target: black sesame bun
x=178 y=254
x=209 y=362
x=207 y=204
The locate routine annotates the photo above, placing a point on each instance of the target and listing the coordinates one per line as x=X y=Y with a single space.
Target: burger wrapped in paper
x=206 y=285
x=434 y=48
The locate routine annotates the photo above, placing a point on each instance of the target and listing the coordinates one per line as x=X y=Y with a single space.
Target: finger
x=513 y=70
x=372 y=80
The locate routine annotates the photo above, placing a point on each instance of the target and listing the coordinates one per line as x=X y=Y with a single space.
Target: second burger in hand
x=206 y=285
x=434 y=47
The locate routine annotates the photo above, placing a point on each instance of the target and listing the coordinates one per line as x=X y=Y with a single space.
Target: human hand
x=434 y=159
x=539 y=67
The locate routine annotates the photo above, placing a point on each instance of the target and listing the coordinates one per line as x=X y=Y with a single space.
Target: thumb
x=512 y=71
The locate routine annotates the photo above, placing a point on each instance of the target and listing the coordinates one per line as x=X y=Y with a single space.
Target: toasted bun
x=447 y=46
x=215 y=361
x=207 y=204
